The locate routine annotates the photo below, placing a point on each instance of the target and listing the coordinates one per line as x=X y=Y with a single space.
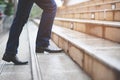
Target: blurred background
x=8 y=9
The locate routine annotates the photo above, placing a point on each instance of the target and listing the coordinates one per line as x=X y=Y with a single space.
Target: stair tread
x=109 y=23
x=56 y=66
x=101 y=49
x=59 y=66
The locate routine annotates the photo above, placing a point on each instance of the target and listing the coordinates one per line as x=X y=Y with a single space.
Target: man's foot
x=14 y=59
x=47 y=49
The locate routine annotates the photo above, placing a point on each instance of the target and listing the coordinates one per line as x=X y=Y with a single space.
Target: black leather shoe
x=14 y=59
x=47 y=49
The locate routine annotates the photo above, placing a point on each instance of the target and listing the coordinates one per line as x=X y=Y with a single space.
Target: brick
x=58 y=22
x=90 y=15
x=63 y=44
x=98 y=1
x=76 y=54
x=96 y=15
x=109 y=16
x=92 y=2
x=98 y=7
x=117 y=16
x=60 y=43
x=88 y=64
x=118 y=5
x=106 y=1
x=79 y=27
x=77 y=16
x=106 y=6
x=86 y=16
x=112 y=34
x=102 y=72
x=101 y=15
x=71 y=16
x=55 y=38
x=85 y=9
x=65 y=24
x=96 y=30
x=82 y=15
x=68 y=25
x=91 y=8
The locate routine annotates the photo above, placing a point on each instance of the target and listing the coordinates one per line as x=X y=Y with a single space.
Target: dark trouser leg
x=49 y=12
x=24 y=7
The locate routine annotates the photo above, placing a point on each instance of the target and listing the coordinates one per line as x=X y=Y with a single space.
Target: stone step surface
x=103 y=29
x=94 y=55
x=98 y=57
x=87 y=42
x=56 y=66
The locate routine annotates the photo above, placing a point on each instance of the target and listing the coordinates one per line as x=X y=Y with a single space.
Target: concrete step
x=56 y=66
x=103 y=29
x=98 y=57
x=8 y=71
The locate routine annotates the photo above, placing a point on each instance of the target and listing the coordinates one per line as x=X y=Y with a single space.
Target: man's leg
x=22 y=14
x=49 y=12
x=44 y=32
x=23 y=10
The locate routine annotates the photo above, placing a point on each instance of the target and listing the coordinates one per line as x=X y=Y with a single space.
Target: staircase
x=89 y=33
x=41 y=66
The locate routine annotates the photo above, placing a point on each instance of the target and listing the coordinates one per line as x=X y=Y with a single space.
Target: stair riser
x=101 y=15
x=102 y=31
x=92 y=66
x=93 y=10
x=98 y=70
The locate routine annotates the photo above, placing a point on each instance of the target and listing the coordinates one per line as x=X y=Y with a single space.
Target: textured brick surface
x=76 y=54
x=112 y=34
x=80 y=27
x=63 y=44
x=107 y=6
x=101 y=15
x=109 y=15
x=101 y=72
x=117 y=16
x=88 y=64
x=98 y=57
x=55 y=38
x=118 y=5
x=97 y=16
x=96 y=30
x=92 y=8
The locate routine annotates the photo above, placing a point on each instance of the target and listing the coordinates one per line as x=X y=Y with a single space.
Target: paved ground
x=8 y=71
